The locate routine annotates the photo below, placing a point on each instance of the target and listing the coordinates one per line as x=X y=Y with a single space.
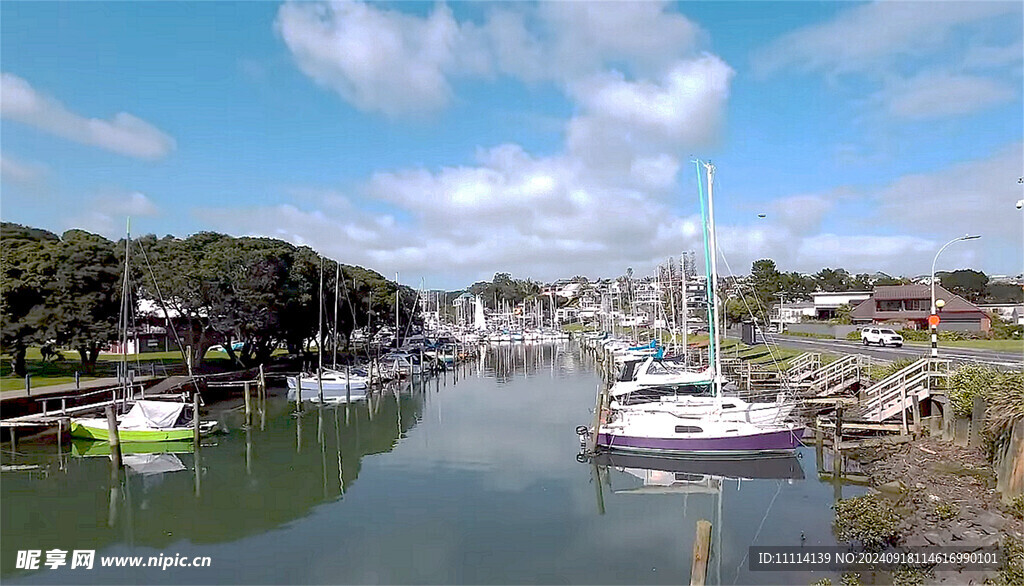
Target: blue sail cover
x=652 y=344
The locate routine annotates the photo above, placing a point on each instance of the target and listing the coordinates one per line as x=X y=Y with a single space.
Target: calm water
x=468 y=482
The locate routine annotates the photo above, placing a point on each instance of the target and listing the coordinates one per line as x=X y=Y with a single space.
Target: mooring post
x=248 y=405
x=195 y=419
x=113 y=438
x=298 y=392
x=917 y=414
x=977 y=421
x=701 y=553
x=78 y=384
x=28 y=385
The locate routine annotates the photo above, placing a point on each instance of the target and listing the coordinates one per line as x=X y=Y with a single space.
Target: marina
x=426 y=481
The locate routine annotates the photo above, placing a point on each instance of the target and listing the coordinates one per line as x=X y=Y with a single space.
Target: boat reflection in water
x=693 y=477
x=248 y=481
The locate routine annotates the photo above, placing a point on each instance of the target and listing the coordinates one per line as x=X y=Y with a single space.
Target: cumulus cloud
x=124 y=134
x=377 y=59
x=397 y=63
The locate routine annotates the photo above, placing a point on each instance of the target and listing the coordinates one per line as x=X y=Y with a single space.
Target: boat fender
x=581 y=430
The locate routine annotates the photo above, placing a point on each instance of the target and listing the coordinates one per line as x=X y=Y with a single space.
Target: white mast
x=337 y=278
x=713 y=280
x=320 y=338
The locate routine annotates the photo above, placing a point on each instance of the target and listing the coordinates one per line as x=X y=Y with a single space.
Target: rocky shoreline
x=945 y=496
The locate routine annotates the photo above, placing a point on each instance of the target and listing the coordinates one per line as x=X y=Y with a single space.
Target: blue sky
x=450 y=141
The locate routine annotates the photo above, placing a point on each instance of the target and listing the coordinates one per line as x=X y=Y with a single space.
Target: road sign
x=933 y=320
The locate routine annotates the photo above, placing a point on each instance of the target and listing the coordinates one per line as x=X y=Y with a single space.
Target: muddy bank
x=945 y=496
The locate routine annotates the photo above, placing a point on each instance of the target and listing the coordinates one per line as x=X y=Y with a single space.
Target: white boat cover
x=151 y=415
x=147 y=464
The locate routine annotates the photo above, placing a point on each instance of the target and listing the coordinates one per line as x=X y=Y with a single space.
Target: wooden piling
x=248 y=405
x=113 y=438
x=977 y=422
x=917 y=414
x=701 y=553
x=195 y=419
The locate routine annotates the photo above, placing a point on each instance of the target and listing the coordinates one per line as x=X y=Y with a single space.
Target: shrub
x=969 y=381
x=854 y=335
x=869 y=519
x=1012 y=571
x=1017 y=506
x=947 y=511
x=880 y=372
x=1005 y=402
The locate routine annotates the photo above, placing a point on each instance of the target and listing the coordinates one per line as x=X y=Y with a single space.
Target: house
x=791 y=313
x=827 y=302
x=910 y=305
x=1011 y=312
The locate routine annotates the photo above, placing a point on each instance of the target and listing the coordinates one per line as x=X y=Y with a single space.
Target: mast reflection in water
x=470 y=477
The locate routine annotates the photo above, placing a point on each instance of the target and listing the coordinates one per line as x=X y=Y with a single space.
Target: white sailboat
x=698 y=427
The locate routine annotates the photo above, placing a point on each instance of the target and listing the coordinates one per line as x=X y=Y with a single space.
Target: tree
x=179 y=280
x=833 y=279
x=85 y=296
x=797 y=287
x=966 y=283
x=26 y=266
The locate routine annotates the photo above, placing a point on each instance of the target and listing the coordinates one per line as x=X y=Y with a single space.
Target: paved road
x=1003 y=359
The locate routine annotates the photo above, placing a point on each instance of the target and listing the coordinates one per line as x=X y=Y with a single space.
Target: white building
x=826 y=302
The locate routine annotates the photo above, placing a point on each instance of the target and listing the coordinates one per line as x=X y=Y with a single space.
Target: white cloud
x=106 y=213
x=864 y=37
x=934 y=95
x=975 y=196
x=801 y=214
x=21 y=172
x=123 y=134
x=376 y=59
x=563 y=41
x=907 y=57
x=397 y=63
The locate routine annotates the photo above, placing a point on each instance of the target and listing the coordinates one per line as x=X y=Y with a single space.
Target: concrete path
x=1002 y=359
x=68 y=388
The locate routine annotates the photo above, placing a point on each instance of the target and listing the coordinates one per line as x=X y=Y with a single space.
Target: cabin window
x=728 y=406
x=688 y=429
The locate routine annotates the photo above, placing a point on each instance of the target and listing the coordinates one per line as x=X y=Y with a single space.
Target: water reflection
x=470 y=477
x=249 y=484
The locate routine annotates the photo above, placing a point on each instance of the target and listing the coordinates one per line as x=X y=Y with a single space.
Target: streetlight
x=933 y=322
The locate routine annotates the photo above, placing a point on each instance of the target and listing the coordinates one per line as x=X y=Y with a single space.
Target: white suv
x=881 y=336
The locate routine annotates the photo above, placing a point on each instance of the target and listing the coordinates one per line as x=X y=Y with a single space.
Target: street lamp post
x=932 y=324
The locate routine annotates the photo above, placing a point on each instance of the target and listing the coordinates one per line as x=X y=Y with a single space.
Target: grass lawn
x=63 y=371
x=994 y=345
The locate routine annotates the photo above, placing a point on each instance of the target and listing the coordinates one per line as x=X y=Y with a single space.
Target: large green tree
x=26 y=269
x=966 y=283
x=85 y=295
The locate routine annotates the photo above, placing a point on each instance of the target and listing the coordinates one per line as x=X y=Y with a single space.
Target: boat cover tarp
x=147 y=464
x=152 y=414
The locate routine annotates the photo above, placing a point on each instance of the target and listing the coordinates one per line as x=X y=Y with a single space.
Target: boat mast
x=713 y=278
x=320 y=337
x=124 y=308
x=337 y=278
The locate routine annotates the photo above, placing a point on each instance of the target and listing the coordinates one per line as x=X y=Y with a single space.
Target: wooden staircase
x=903 y=390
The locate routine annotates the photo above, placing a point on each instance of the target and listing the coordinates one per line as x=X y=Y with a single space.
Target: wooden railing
x=904 y=389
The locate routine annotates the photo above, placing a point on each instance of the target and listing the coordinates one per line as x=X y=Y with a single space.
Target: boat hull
x=775 y=441
x=85 y=430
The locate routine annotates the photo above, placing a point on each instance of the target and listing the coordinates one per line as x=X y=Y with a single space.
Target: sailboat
x=707 y=431
x=147 y=420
